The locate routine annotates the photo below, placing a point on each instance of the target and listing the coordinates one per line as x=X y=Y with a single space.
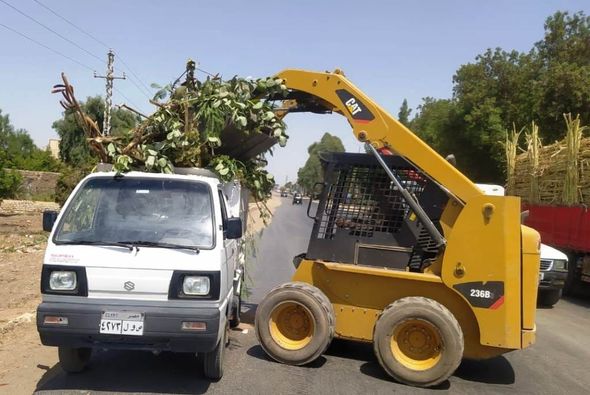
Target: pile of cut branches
x=187 y=129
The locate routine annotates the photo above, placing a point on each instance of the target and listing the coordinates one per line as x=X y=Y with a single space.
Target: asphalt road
x=557 y=364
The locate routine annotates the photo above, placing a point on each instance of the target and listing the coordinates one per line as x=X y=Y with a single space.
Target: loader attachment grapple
x=362 y=217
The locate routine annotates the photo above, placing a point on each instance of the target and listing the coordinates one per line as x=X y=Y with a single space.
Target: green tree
x=20 y=152
x=504 y=87
x=9 y=181
x=73 y=148
x=311 y=172
x=563 y=58
x=404 y=113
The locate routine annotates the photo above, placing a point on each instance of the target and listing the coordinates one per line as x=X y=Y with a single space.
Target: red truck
x=568 y=229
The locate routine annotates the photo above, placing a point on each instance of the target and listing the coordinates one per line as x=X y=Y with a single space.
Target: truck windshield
x=142 y=211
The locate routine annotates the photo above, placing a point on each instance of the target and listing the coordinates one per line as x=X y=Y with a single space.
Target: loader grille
x=363 y=200
x=363 y=219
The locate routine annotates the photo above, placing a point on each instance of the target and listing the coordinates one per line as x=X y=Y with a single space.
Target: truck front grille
x=546 y=265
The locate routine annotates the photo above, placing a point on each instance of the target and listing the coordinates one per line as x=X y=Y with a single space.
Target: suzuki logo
x=129 y=285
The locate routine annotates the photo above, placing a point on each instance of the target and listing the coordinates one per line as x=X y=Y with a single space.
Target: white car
x=144 y=261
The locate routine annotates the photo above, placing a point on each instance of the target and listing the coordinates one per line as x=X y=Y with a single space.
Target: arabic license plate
x=541 y=276
x=121 y=323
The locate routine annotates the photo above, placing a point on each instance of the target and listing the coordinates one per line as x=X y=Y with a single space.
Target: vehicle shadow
x=258 y=353
x=131 y=371
x=491 y=371
x=248 y=312
x=580 y=299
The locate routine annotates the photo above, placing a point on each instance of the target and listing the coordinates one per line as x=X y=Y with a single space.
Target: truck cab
x=144 y=261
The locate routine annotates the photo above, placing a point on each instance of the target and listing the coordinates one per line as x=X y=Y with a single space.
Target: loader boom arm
x=371 y=123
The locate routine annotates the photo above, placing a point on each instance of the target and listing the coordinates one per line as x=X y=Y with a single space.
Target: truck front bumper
x=552 y=280
x=162 y=327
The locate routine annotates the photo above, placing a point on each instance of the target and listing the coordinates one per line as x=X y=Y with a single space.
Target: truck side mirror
x=234 y=228
x=523 y=216
x=49 y=217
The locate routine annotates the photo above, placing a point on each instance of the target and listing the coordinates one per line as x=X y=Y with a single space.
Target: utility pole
x=106 y=125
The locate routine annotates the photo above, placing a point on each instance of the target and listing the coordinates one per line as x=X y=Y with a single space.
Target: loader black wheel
x=418 y=341
x=295 y=323
x=74 y=360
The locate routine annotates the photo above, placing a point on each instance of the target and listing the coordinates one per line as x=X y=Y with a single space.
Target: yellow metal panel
x=382 y=130
x=530 y=275
x=362 y=320
x=484 y=246
x=358 y=294
x=528 y=337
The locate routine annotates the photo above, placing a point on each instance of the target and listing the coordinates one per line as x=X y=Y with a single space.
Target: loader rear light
x=193 y=326
x=55 y=320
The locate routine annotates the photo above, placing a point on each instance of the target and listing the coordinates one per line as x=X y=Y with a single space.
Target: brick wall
x=26 y=207
x=37 y=183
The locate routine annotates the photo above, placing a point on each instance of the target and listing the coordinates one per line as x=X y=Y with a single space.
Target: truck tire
x=236 y=308
x=549 y=297
x=569 y=288
x=295 y=323
x=213 y=360
x=74 y=360
x=418 y=341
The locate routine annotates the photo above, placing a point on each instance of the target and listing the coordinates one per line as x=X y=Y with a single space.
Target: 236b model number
x=481 y=293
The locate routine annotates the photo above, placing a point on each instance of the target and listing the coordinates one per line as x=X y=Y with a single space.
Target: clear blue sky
x=390 y=49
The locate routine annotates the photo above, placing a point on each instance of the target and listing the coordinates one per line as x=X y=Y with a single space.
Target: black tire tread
x=213 y=360
x=324 y=302
x=73 y=360
x=424 y=301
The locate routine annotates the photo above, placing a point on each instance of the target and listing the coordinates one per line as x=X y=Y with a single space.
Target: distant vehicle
x=297 y=198
x=552 y=275
x=284 y=193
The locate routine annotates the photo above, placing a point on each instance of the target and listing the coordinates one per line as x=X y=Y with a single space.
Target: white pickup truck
x=144 y=261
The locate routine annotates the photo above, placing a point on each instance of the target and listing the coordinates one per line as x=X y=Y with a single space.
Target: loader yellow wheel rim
x=291 y=325
x=416 y=344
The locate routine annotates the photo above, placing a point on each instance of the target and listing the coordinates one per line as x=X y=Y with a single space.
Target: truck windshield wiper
x=97 y=243
x=145 y=243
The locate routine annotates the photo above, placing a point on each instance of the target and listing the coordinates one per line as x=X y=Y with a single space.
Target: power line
x=126 y=98
x=64 y=56
x=104 y=45
x=46 y=47
x=72 y=24
x=208 y=73
x=51 y=30
x=135 y=75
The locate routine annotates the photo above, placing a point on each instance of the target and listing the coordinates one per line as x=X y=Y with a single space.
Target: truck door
x=229 y=246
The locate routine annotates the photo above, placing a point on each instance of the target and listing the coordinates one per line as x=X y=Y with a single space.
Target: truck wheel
x=549 y=297
x=74 y=360
x=213 y=360
x=236 y=308
x=295 y=323
x=418 y=341
x=571 y=281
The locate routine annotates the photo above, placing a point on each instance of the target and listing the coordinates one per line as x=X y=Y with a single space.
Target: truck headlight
x=196 y=285
x=62 y=280
x=560 y=264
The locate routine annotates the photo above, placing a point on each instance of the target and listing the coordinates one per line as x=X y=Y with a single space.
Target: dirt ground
x=23 y=359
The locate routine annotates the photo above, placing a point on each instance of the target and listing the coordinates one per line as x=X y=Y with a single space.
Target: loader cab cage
x=363 y=219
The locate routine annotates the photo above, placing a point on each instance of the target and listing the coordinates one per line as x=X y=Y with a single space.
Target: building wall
x=37 y=184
